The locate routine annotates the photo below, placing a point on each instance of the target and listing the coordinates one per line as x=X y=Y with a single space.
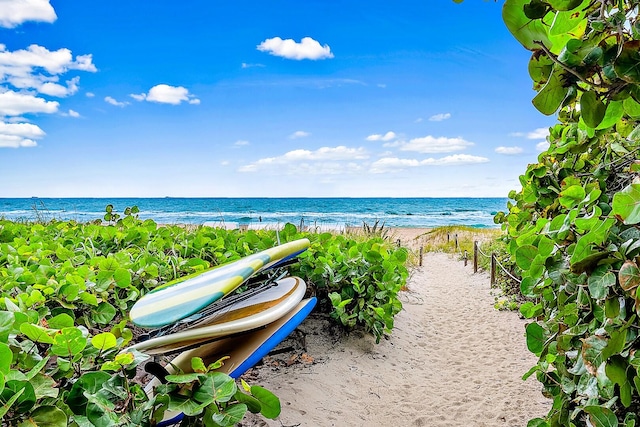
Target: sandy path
x=452 y=360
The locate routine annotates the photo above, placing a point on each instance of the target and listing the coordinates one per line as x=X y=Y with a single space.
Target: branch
x=566 y=67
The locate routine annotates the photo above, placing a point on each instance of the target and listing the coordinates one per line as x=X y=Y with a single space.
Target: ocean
x=329 y=213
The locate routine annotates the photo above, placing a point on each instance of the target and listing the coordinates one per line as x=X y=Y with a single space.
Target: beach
x=451 y=360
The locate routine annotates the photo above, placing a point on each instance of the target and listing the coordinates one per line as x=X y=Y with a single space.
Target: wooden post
x=493 y=269
x=455 y=236
x=447 y=237
x=475 y=256
x=421 y=251
x=465 y=258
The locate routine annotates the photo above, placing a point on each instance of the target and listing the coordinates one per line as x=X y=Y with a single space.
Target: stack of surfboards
x=245 y=329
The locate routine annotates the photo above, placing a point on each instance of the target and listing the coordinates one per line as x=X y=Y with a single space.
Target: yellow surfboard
x=261 y=309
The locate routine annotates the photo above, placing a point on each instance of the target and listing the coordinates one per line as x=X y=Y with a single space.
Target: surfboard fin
x=157 y=370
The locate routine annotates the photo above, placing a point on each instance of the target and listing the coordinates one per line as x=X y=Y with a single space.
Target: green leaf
x=9 y=403
x=572 y=195
x=104 y=341
x=599 y=416
x=253 y=404
x=89 y=383
x=535 y=338
x=48 y=416
x=592 y=109
x=592 y=349
x=627 y=65
x=270 y=403
x=44 y=386
x=26 y=395
x=104 y=313
x=122 y=277
x=183 y=378
x=231 y=415
x=524 y=29
x=626 y=204
x=600 y=281
x=525 y=256
x=631 y=107
x=68 y=342
x=37 y=333
x=60 y=321
x=565 y=4
x=530 y=310
x=550 y=97
x=6 y=356
x=613 y=114
x=7 y=320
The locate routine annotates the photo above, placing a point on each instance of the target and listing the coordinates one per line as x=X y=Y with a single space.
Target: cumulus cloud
x=113 y=101
x=332 y=159
x=39 y=68
x=510 y=151
x=73 y=113
x=542 y=146
x=539 y=133
x=307 y=48
x=165 y=94
x=15 y=12
x=241 y=143
x=378 y=137
x=16 y=135
x=299 y=134
x=394 y=164
x=440 y=117
x=431 y=144
x=16 y=104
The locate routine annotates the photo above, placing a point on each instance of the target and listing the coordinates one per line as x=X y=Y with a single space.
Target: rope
x=505 y=270
x=499 y=264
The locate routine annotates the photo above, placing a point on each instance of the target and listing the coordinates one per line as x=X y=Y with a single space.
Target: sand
x=451 y=360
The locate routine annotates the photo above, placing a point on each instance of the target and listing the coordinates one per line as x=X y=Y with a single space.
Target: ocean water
x=329 y=213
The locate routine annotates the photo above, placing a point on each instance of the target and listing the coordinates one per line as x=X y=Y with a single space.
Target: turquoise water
x=231 y=212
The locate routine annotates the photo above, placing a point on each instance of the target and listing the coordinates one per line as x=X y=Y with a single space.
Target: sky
x=155 y=98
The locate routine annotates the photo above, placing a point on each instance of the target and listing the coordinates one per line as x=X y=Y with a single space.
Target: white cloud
x=39 y=68
x=90 y=94
x=15 y=12
x=510 y=151
x=308 y=48
x=378 y=137
x=165 y=94
x=331 y=159
x=241 y=143
x=440 y=117
x=55 y=89
x=113 y=101
x=73 y=113
x=431 y=144
x=16 y=135
x=542 y=146
x=539 y=133
x=394 y=164
x=15 y=104
x=247 y=65
x=299 y=134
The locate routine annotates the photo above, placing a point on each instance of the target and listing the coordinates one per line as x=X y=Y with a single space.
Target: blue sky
x=277 y=99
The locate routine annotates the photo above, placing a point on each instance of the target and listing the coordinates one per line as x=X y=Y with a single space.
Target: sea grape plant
x=67 y=288
x=574 y=226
